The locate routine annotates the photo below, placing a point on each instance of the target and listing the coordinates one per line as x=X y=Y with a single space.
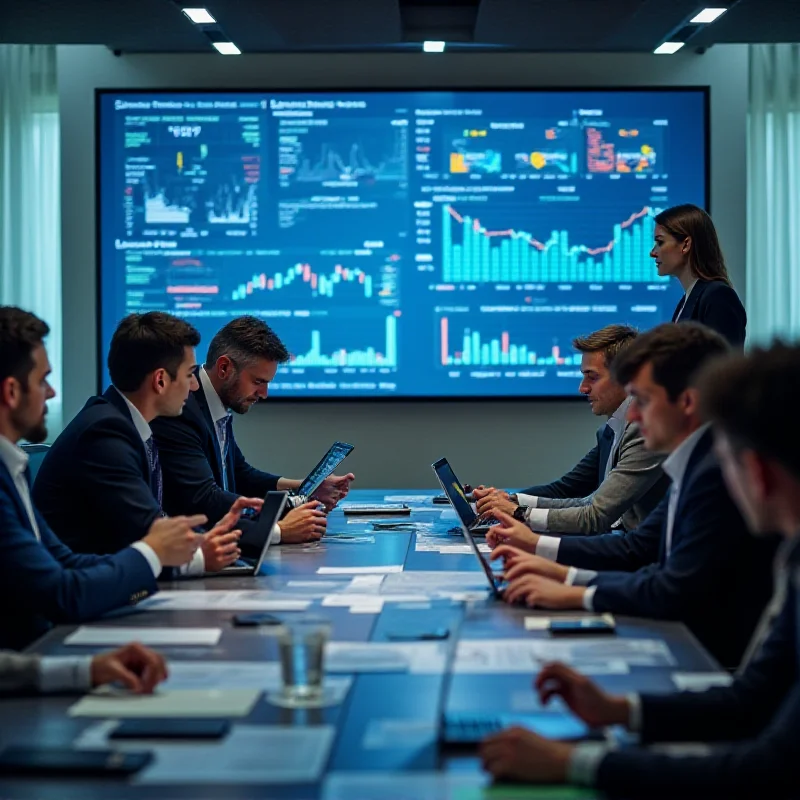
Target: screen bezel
x=319 y=464
x=704 y=90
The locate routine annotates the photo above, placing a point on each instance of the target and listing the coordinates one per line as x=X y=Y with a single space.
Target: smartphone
x=435 y=634
x=575 y=627
x=254 y=619
x=65 y=761
x=199 y=728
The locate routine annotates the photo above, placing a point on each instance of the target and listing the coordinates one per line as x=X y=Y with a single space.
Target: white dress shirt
x=218 y=411
x=537 y=517
x=68 y=673
x=16 y=461
x=197 y=566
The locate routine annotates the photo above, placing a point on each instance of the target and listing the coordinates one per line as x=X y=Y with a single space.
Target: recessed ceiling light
x=227 y=48
x=708 y=15
x=668 y=48
x=199 y=16
x=433 y=47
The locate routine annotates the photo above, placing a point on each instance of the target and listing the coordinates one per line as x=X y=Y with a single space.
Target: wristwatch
x=519 y=513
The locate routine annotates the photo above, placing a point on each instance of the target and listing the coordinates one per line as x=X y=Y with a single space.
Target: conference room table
x=385 y=729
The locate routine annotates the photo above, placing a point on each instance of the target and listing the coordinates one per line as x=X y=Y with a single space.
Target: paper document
x=359 y=570
x=167 y=703
x=222 y=601
x=260 y=675
x=100 y=635
x=461 y=549
x=591 y=655
x=700 y=681
x=413 y=582
x=405 y=785
x=407 y=498
x=418 y=658
x=542 y=623
x=249 y=754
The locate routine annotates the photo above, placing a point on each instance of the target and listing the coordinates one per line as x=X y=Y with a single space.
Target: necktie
x=606 y=443
x=224 y=435
x=156 y=478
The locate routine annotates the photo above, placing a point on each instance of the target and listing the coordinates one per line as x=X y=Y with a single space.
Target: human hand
x=138 y=667
x=306 y=523
x=518 y=754
x=481 y=492
x=220 y=548
x=513 y=532
x=173 y=539
x=534 y=590
x=584 y=697
x=517 y=563
x=333 y=489
x=495 y=502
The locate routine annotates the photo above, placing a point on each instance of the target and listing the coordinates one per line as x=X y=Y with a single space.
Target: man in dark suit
x=41 y=580
x=751 y=726
x=618 y=482
x=684 y=561
x=105 y=459
x=204 y=469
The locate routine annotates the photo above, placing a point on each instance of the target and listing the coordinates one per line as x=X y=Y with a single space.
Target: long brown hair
x=705 y=256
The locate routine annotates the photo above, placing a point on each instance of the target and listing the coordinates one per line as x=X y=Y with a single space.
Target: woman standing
x=687 y=248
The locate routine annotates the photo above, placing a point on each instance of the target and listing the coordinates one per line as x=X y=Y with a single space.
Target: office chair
x=36 y=454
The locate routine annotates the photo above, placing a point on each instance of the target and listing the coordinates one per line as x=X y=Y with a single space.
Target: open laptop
x=455 y=493
x=337 y=453
x=270 y=514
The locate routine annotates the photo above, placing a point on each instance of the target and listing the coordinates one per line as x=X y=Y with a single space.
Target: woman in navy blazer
x=687 y=248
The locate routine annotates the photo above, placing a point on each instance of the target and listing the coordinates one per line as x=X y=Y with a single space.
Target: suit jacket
x=192 y=466
x=585 y=501
x=756 y=720
x=717 y=578
x=44 y=582
x=93 y=487
x=716 y=305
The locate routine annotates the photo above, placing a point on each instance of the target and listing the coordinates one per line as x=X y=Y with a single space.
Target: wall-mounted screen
x=402 y=244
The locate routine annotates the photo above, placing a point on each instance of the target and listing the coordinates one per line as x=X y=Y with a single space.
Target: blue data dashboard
x=401 y=244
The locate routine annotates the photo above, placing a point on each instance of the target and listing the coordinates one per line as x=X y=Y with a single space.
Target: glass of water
x=301 y=644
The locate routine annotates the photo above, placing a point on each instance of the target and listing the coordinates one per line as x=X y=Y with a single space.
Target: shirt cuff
x=635 y=713
x=585 y=762
x=588 y=598
x=67 y=673
x=537 y=518
x=197 y=566
x=547 y=547
x=527 y=500
x=580 y=577
x=276 y=534
x=150 y=556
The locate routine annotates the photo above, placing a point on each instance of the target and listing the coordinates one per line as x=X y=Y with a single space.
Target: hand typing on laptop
x=510 y=531
x=517 y=563
x=220 y=545
x=306 y=523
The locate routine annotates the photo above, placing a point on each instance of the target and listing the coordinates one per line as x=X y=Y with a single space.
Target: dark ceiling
x=260 y=26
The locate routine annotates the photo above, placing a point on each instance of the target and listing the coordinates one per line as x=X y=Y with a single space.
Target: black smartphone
x=575 y=627
x=199 y=728
x=65 y=761
x=434 y=634
x=441 y=500
x=256 y=618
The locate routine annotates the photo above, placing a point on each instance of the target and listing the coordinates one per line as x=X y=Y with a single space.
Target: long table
x=386 y=722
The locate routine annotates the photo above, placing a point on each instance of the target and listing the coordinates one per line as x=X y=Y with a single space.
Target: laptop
x=270 y=514
x=458 y=497
x=337 y=453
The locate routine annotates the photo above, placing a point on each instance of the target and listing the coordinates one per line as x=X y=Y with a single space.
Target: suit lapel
x=112 y=396
x=11 y=489
x=205 y=413
x=689 y=310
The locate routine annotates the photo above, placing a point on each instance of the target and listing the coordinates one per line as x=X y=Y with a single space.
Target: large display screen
x=402 y=244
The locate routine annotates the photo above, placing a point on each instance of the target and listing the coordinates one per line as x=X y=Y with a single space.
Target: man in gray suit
x=136 y=667
x=617 y=483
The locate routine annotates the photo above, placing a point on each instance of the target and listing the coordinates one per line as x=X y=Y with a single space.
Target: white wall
x=503 y=443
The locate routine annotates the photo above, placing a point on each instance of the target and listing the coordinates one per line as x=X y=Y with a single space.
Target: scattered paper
x=700 y=681
x=462 y=549
x=222 y=601
x=418 y=658
x=433 y=582
x=596 y=655
x=387 y=734
x=357 y=603
x=260 y=675
x=543 y=623
x=407 y=498
x=416 y=785
x=348 y=538
x=250 y=754
x=359 y=570
x=105 y=702
x=100 y=635
x=364 y=583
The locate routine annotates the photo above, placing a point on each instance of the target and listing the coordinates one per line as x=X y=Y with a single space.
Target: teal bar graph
x=320 y=285
x=485 y=256
x=370 y=357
